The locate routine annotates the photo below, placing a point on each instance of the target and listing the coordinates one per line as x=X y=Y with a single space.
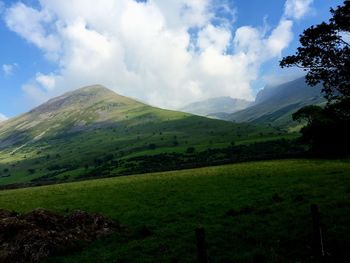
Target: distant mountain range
x=275 y=105
x=216 y=106
x=74 y=134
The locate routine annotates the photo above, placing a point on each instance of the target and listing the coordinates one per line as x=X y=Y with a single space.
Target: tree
x=308 y=113
x=152 y=146
x=325 y=54
x=327 y=130
x=190 y=150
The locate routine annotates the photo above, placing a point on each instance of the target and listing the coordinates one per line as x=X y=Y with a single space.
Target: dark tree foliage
x=325 y=54
x=327 y=130
x=308 y=113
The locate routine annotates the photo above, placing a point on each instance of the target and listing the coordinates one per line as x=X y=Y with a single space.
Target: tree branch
x=344 y=42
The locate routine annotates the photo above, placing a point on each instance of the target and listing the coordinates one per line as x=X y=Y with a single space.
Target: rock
x=5 y=213
x=40 y=233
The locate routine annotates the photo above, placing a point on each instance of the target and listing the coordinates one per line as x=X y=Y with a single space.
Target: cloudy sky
x=164 y=52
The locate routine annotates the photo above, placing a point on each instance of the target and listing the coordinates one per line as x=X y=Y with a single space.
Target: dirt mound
x=36 y=235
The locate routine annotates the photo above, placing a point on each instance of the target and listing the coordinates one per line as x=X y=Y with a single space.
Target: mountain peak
x=87 y=92
x=92 y=88
x=81 y=109
x=83 y=99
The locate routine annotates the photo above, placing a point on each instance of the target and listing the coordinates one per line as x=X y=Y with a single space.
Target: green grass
x=276 y=194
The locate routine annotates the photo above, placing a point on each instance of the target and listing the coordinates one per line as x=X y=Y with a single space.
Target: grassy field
x=247 y=209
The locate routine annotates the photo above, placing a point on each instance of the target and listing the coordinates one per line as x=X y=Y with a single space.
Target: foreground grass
x=248 y=209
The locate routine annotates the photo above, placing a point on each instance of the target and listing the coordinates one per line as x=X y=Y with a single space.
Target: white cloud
x=32 y=24
x=7 y=69
x=35 y=93
x=280 y=37
x=46 y=81
x=145 y=50
x=216 y=37
x=2 y=117
x=296 y=9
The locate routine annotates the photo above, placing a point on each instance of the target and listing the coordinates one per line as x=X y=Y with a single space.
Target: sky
x=167 y=53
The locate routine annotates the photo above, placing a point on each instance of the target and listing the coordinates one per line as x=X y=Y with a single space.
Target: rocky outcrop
x=38 y=234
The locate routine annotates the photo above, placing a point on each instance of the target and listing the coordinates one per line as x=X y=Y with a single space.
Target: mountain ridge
x=212 y=106
x=275 y=105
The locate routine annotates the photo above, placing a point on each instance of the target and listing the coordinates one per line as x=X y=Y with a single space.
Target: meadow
x=249 y=210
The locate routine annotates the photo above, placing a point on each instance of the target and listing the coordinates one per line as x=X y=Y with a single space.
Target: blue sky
x=143 y=50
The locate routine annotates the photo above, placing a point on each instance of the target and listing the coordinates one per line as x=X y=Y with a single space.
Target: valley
x=153 y=131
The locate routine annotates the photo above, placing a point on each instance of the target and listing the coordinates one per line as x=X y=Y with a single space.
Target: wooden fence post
x=201 y=246
x=317 y=242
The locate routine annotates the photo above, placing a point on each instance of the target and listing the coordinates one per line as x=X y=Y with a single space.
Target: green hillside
x=249 y=209
x=94 y=129
x=275 y=105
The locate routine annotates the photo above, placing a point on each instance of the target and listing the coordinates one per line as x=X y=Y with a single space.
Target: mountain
x=216 y=107
x=275 y=105
x=96 y=132
x=84 y=109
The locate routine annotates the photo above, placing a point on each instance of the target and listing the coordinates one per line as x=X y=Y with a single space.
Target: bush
x=152 y=146
x=31 y=171
x=190 y=150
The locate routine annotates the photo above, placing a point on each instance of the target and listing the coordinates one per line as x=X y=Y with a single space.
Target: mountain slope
x=275 y=105
x=91 y=128
x=72 y=111
x=216 y=106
